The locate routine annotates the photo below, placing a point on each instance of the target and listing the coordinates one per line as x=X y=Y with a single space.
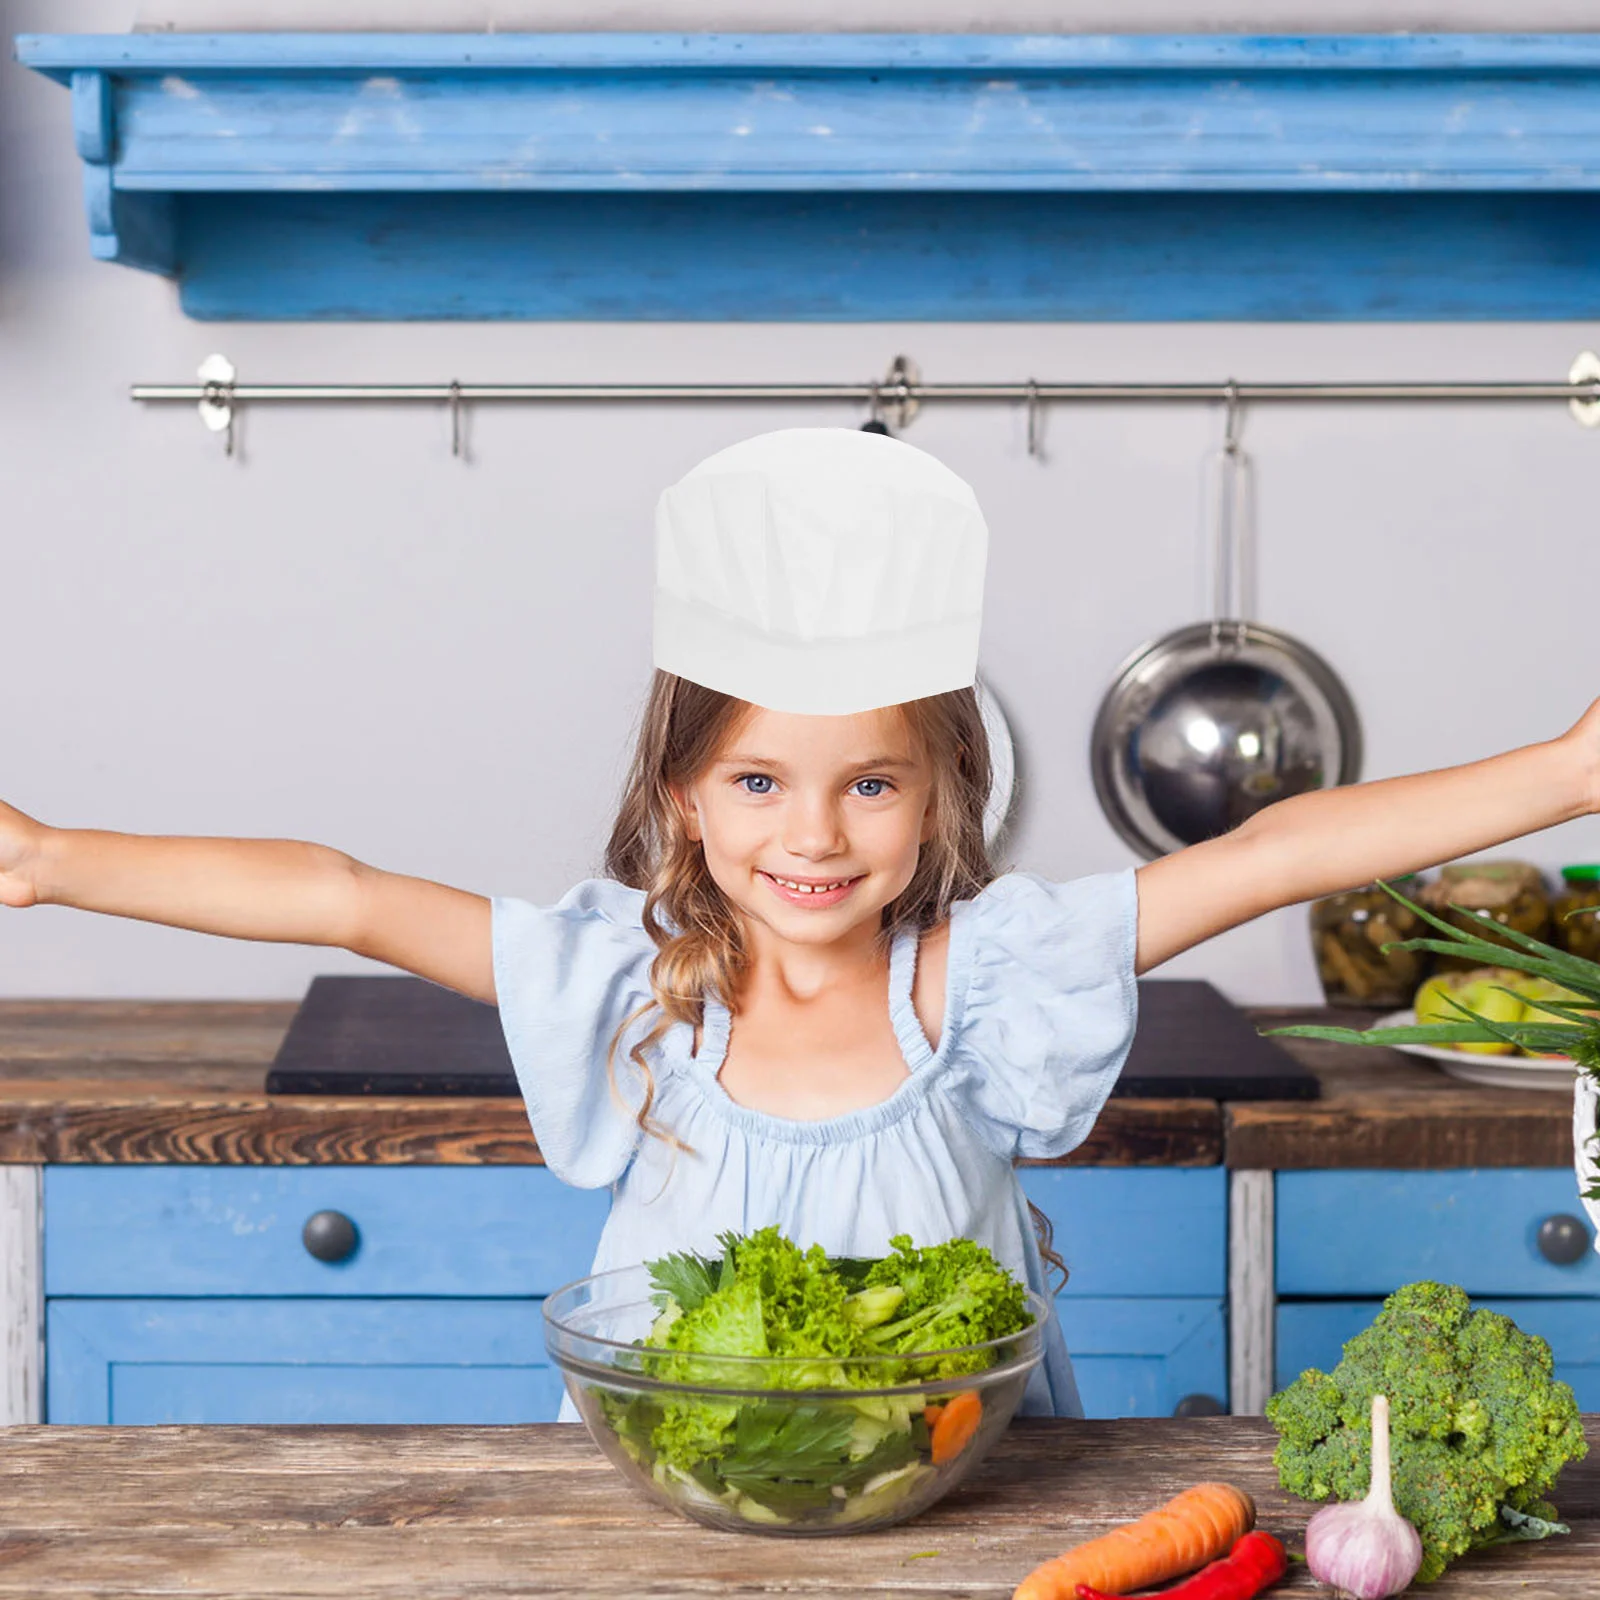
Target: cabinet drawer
x=1367 y=1232
x=181 y=1230
x=1139 y=1358
x=1314 y=1336
x=153 y=1361
x=1136 y=1230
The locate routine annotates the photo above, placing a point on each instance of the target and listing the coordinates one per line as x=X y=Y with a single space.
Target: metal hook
x=1033 y=418
x=455 y=417
x=903 y=378
x=1230 y=434
x=216 y=374
x=875 y=422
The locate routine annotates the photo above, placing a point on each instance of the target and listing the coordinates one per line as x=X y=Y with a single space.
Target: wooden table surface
x=478 y=1511
x=171 y=1081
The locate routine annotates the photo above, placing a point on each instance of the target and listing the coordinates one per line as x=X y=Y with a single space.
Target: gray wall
x=347 y=636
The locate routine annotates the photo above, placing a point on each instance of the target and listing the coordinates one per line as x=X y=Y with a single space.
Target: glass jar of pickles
x=1512 y=893
x=1576 y=912
x=1348 y=932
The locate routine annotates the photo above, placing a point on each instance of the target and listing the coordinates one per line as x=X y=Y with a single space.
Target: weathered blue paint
x=1136 y=1230
x=199 y=1230
x=135 y=229
x=843 y=177
x=874 y=112
x=1139 y=1358
x=184 y=1293
x=222 y=1360
x=1353 y=1233
x=306 y=1360
x=60 y=54
x=845 y=258
x=1313 y=1335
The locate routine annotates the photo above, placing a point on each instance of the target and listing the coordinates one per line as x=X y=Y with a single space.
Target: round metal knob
x=1562 y=1239
x=1199 y=1405
x=329 y=1236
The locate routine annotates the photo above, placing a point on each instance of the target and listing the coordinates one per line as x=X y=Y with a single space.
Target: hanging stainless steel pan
x=1208 y=725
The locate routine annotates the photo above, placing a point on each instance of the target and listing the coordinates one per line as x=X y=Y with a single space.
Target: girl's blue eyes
x=762 y=777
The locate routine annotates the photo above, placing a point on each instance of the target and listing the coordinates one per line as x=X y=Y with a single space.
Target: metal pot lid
x=1206 y=726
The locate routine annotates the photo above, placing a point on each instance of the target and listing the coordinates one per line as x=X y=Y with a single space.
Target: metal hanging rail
x=896 y=398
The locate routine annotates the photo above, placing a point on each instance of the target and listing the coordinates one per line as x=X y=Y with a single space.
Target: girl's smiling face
x=812 y=824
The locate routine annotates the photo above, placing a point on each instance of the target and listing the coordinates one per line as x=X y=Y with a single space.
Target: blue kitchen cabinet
x=1144 y=1358
x=1144 y=1309
x=1346 y=1239
x=436 y=1232
x=187 y=1294
x=290 y=1360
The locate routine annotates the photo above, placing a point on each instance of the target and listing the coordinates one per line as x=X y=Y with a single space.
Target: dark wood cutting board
x=405 y=1036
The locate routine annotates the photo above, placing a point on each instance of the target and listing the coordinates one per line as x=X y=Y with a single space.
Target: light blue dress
x=1040 y=1008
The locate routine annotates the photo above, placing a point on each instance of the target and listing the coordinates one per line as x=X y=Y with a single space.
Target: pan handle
x=1228 y=503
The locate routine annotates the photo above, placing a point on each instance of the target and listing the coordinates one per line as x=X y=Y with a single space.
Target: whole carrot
x=1195 y=1527
x=1255 y=1563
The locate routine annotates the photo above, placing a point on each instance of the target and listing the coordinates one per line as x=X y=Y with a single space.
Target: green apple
x=1532 y=988
x=1481 y=992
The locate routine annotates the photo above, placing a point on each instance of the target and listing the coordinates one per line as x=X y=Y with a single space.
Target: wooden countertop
x=536 y=1510
x=169 y=1081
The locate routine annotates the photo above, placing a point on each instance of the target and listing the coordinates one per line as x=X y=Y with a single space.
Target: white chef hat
x=820 y=570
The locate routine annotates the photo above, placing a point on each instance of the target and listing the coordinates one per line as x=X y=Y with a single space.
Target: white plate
x=1499 y=1072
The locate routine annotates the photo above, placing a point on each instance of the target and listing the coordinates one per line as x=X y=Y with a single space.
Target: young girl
x=802 y=995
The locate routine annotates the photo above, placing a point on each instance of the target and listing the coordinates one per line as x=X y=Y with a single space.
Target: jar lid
x=1587 y=872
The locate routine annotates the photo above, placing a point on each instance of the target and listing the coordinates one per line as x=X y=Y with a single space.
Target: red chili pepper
x=1255 y=1563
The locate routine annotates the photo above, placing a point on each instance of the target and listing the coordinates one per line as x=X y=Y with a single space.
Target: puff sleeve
x=1050 y=1007
x=565 y=977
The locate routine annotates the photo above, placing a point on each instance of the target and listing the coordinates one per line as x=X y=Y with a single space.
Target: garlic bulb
x=1366 y=1549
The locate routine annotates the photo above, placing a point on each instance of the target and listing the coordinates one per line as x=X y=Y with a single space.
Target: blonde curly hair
x=683 y=729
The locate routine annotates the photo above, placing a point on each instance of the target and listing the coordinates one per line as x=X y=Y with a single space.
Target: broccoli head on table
x=1478 y=1420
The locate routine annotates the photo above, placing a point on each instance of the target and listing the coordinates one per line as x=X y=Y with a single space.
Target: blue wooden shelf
x=844 y=176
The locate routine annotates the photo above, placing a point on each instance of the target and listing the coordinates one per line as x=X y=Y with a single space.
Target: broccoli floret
x=1477 y=1420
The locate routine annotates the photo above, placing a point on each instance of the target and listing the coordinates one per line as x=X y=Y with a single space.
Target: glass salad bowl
x=781 y=1445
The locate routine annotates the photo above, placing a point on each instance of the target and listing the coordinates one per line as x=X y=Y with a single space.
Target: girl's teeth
x=807 y=888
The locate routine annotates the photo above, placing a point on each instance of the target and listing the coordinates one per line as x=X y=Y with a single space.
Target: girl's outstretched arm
x=275 y=889
x=1332 y=839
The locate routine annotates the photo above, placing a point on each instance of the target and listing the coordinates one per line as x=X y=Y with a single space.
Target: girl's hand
x=1585 y=739
x=21 y=840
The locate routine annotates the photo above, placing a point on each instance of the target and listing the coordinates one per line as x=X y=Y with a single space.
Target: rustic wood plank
x=88 y=1120
x=461 y=1511
x=1145 y=1133
x=1382 y=1108
x=224 y=1044
x=21 y=1295
x=182 y=1081
x=1252 y=1294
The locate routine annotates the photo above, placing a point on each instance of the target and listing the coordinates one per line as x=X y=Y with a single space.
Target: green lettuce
x=806 y=1314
